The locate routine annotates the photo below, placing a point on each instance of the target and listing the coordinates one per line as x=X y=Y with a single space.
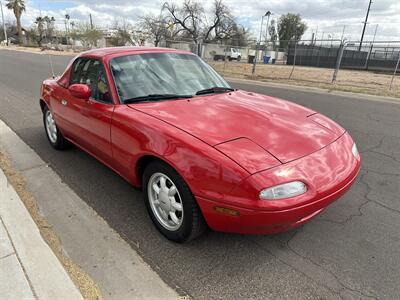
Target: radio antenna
x=51 y=65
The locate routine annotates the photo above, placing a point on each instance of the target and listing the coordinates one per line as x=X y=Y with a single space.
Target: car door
x=62 y=105
x=90 y=120
x=234 y=53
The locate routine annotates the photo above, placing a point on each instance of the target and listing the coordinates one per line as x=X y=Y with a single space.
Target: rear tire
x=173 y=209
x=54 y=135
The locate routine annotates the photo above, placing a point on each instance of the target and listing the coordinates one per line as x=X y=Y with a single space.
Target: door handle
x=64 y=102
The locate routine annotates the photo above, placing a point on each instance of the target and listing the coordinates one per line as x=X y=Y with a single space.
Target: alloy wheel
x=165 y=201
x=51 y=127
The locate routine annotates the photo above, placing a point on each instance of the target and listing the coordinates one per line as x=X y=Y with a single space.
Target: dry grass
x=347 y=80
x=86 y=285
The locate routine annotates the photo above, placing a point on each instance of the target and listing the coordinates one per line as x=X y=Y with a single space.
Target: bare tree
x=123 y=34
x=154 y=27
x=192 y=21
x=188 y=18
x=222 y=24
x=86 y=34
x=239 y=36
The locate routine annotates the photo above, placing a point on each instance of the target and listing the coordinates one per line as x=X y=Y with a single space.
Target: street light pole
x=4 y=23
x=257 y=47
x=267 y=14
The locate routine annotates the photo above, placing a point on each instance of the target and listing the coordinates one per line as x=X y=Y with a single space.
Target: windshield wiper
x=154 y=97
x=215 y=89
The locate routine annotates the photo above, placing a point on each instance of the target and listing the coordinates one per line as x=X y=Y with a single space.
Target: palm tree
x=67 y=17
x=18 y=7
x=40 y=29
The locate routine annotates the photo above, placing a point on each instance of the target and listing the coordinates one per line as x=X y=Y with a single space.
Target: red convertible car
x=204 y=154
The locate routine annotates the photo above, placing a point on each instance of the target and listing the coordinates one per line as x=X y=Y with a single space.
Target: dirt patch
x=347 y=80
x=86 y=285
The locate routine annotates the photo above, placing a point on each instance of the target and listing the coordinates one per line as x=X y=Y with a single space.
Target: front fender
x=208 y=172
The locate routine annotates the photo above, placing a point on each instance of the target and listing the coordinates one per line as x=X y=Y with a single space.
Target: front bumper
x=265 y=217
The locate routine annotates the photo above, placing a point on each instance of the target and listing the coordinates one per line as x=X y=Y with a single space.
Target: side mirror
x=81 y=91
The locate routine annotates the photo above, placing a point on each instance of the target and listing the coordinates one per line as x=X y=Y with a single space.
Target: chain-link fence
x=371 y=67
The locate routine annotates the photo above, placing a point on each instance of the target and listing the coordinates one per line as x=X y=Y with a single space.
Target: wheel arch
x=143 y=162
x=43 y=104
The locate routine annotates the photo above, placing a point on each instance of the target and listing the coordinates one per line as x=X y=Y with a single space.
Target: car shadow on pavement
x=256 y=266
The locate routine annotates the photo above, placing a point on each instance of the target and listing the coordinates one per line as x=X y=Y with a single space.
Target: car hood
x=284 y=129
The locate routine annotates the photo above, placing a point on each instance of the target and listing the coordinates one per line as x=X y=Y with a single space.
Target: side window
x=76 y=70
x=91 y=72
x=102 y=92
x=83 y=70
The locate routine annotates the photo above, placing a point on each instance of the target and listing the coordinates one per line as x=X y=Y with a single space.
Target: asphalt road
x=349 y=251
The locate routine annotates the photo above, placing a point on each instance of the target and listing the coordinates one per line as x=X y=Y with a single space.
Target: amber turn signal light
x=227 y=211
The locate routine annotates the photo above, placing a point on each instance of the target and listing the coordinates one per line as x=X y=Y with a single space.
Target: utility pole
x=4 y=23
x=91 y=21
x=365 y=25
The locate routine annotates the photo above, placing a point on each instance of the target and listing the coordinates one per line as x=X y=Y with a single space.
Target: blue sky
x=51 y=5
x=329 y=16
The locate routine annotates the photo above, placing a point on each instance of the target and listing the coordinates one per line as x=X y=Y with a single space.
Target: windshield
x=139 y=75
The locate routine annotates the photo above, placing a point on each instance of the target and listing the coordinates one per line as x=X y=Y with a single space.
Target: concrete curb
x=45 y=52
x=86 y=238
x=44 y=272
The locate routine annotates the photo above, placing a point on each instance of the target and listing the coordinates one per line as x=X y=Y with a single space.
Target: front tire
x=55 y=137
x=170 y=203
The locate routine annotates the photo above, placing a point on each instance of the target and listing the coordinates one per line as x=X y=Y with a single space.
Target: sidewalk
x=99 y=261
x=28 y=267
